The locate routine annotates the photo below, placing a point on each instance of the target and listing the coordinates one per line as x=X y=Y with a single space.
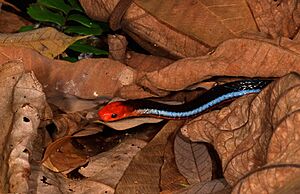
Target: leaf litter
x=255 y=137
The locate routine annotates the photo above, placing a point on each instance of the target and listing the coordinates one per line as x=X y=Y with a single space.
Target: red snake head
x=115 y=111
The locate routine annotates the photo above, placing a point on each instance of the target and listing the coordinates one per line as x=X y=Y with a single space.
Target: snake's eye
x=114 y=115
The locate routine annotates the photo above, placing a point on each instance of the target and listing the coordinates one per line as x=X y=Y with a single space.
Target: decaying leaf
x=143 y=173
x=23 y=104
x=256 y=137
x=47 y=41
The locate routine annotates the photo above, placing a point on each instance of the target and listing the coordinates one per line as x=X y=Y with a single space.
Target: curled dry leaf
x=235 y=57
x=193 y=160
x=143 y=173
x=276 y=18
x=256 y=134
x=62 y=156
x=47 y=41
x=24 y=131
x=161 y=40
x=67 y=124
x=20 y=118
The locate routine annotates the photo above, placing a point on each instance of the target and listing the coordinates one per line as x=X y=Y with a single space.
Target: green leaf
x=70 y=59
x=83 y=30
x=26 y=28
x=43 y=14
x=84 y=20
x=56 y=4
x=85 y=48
x=75 y=5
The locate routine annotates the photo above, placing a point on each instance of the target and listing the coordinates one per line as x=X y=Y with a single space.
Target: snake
x=217 y=95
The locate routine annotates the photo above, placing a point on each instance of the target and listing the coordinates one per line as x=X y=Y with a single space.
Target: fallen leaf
x=143 y=173
x=255 y=137
x=62 y=156
x=9 y=4
x=88 y=186
x=225 y=18
x=87 y=79
x=235 y=57
x=162 y=40
x=217 y=186
x=47 y=41
x=15 y=22
x=68 y=124
x=193 y=161
x=108 y=167
x=276 y=18
x=130 y=123
x=19 y=125
x=146 y=63
x=70 y=103
x=117 y=47
x=171 y=179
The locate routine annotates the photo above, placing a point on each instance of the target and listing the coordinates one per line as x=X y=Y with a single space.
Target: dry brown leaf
x=171 y=180
x=146 y=63
x=108 y=167
x=193 y=161
x=67 y=124
x=117 y=47
x=62 y=156
x=235 y=57
x=88 y=186
x=210 y=22
x=129 y=123
x=143 y=173
x=9 y=4
x=15 y=22
x=87 y=79
x=70 y=104
x=155 y=36
x=217 y=186
x=22 y=106
x=47 y=41
x=276 y=18
x=256 y=134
